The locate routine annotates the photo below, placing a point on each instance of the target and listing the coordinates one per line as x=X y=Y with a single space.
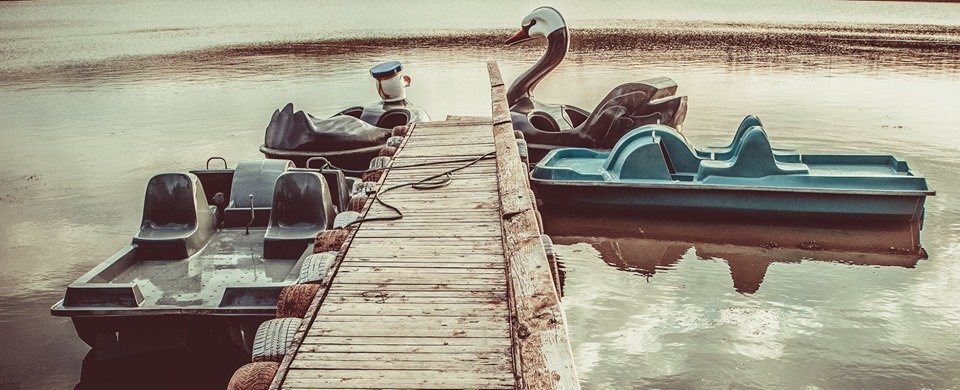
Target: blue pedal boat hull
x=653 y=170
x=730 y=202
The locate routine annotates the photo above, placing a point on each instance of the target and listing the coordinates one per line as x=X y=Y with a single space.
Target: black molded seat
x=394 y=117
x=256 y=178
x=754 y=158
x=177 y=221
x=302 y=208
x=338 y=184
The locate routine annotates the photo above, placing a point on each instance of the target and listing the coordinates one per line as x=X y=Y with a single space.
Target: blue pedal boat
x=655 y=170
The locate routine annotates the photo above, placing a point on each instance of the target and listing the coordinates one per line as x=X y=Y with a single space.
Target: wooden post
x=542 y=353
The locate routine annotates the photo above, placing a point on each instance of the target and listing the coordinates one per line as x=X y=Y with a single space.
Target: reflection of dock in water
x=651 y=246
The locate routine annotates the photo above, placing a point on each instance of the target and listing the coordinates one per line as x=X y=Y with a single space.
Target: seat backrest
x=256 y=178
x=337 y=183
x=748 y=122
x=679 y=155
x=394 y=117
x=754 y=157
x=301 y=199
x=172 y=201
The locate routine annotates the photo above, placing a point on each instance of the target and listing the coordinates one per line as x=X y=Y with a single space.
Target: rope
x=439 y=180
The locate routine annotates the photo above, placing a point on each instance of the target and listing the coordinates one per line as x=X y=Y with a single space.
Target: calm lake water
x=99 y=97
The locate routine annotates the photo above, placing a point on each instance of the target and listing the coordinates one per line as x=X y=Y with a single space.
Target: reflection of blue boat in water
x=651 y=246
x=654 y=169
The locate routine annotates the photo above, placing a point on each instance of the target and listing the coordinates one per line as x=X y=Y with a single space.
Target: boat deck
x=456 y=294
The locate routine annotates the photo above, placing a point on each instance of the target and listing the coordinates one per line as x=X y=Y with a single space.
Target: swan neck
x=557 y=44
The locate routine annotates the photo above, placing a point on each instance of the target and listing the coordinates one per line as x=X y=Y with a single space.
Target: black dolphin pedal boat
x=350 y=138
x=213 y=251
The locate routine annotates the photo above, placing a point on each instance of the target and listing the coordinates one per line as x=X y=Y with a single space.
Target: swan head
x=538 y=24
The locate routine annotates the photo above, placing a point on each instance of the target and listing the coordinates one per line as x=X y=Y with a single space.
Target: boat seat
x=727 y=152
x=678 y=154
x=177 y=221
x=544 y=122
x=337 y=183
x=642 y=159
x=256 y=178
x=393 y=117
x=753 y=159
x=302 y=208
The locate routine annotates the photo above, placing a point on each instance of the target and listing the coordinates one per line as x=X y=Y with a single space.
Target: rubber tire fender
x=315 y=267
x=294 y=300
x=273 y=338
x=253 y=376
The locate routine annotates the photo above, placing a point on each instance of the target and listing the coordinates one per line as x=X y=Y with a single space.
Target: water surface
x=99 y=97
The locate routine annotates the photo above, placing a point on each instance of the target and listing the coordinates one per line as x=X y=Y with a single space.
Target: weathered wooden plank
x=415 y=300
x=501 y=343
x=419 y=270
x=405 y=310
x=483 y=322
x=416 y=279
x=501 y=355
x=484 y=366
x=542 y=345
x=418 y=287
x=385 y=330
x=420 y=379
x=399 y=349
x=327 y=364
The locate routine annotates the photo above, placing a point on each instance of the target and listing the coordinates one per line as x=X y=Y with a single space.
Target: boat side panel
x=712 y=204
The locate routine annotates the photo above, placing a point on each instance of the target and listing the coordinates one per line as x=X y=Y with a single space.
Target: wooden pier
x=456 y=294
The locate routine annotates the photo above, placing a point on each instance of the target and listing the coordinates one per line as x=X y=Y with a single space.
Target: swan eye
x=532 y=22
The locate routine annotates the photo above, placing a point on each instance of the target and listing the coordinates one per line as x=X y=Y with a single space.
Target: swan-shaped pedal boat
x=655 y=170
x=350 y=138
x=548 y=126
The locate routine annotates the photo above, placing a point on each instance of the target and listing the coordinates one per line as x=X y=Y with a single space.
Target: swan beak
x=521 y=36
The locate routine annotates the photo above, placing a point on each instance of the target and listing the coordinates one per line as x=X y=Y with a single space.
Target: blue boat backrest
x=752 y=158
x=747 y=123
x=642 y=159
x=678 y=155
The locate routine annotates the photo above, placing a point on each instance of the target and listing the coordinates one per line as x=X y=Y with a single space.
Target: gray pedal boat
x=654 y=170
x=213 y=251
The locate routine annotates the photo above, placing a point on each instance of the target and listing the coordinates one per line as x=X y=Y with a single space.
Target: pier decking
x=456 y=294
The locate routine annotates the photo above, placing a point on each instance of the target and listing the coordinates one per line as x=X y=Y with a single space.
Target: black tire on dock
x=315 y=267
x=330 y=240
x=273 y=338
x=253 y=376
x=400 y=131
x=345 y=218
x=357 y=202
x=295 y=300
x=388 y=151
